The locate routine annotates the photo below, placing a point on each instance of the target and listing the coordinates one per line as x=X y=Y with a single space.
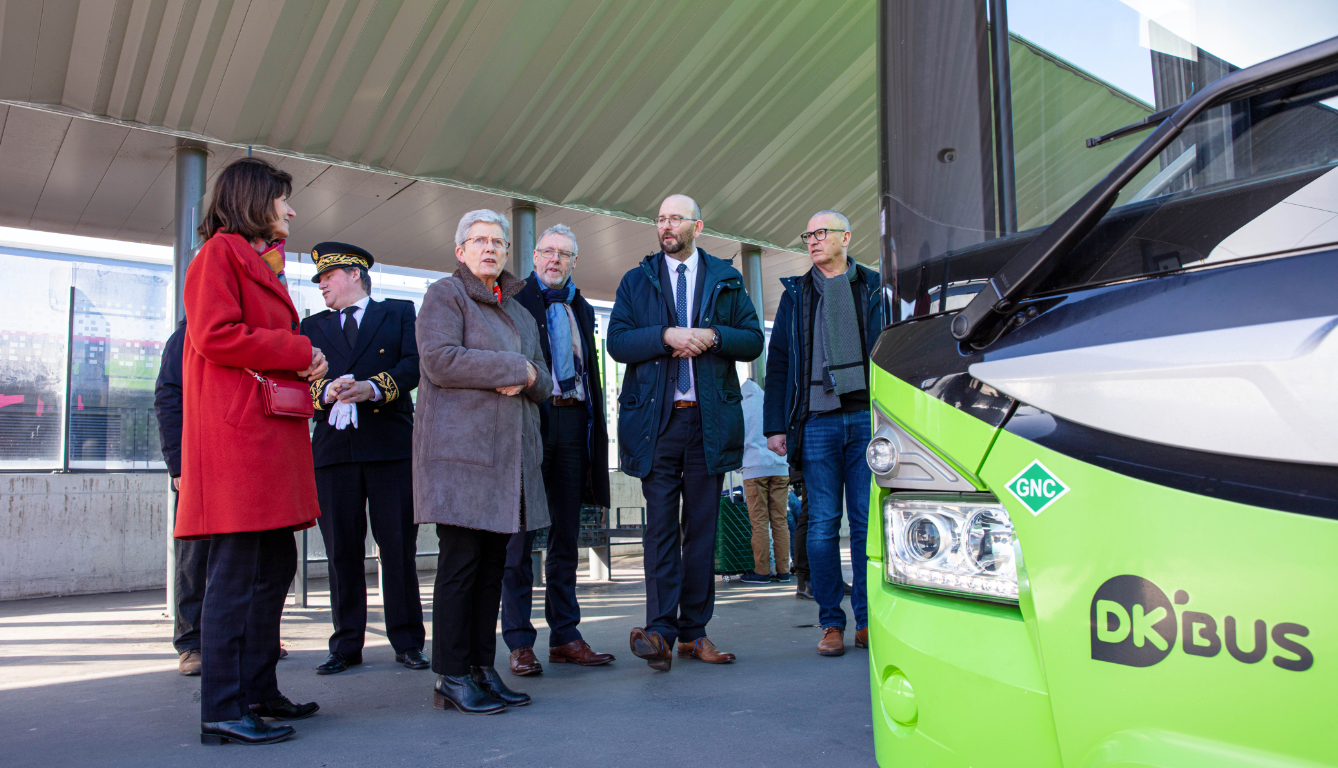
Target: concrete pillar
x=751 y=258
x=188 y=209
x=521 y=263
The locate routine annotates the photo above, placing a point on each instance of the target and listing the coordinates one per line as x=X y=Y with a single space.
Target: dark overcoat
x=595 y=485
x=386 y=354
x=472 y=445
x=240 y=469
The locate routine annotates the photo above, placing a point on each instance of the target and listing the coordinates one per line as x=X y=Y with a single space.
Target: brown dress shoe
x=833 y=642
x=524 y=663
x=189 y=664
x=651 y=647
x=705 y=650
x=862 y=638
x=578 y=652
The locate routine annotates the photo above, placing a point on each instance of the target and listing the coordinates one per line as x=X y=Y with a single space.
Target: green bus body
x=962 y=682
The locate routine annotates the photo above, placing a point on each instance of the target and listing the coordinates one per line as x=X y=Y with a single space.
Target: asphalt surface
x=92 y=680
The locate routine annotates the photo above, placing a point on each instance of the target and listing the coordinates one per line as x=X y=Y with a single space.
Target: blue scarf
x=565 y=364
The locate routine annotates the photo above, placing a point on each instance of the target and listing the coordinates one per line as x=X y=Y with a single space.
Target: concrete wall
x=82 y=533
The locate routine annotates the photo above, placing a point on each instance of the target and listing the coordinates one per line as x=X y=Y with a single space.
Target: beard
x=678 y=244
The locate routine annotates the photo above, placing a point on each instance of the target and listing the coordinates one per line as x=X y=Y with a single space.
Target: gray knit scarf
x=837 y=332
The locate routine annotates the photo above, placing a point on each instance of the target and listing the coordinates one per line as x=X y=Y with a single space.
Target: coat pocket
x=247 y=388
x=465 y=430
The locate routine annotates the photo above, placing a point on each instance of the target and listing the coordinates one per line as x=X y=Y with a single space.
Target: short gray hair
x=481 y=216
x=840 y=216
x=364 y=277
x=560 y=229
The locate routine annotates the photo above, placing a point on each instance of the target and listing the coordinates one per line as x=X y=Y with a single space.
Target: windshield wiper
x=1151 y=121
x=991 y=311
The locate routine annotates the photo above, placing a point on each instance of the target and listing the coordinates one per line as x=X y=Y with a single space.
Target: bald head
x=678 y=225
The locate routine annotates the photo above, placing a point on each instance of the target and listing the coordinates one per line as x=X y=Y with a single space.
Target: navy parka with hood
x=643 y=309
x=785 y=408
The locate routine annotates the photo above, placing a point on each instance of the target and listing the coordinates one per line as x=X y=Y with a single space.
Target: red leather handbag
x=285 y=399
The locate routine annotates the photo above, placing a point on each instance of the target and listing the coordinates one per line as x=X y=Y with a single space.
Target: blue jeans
x=833 y=463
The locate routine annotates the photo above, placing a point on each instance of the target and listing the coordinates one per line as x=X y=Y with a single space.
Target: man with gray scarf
x=816 y=411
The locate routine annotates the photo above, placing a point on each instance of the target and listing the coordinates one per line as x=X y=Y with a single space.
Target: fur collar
x=476 y=290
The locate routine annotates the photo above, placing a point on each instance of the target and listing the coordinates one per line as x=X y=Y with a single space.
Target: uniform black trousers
x=680 y=549
x=349 y=495
x=192 y=564
x=566 y=461
x=249 y=575
x=466 y=597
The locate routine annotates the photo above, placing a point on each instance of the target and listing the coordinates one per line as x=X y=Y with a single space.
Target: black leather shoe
x=413 y=659
x=489 y=681
x=463 y=693
x=249 y=730
x=846 y=588
x=336 y=663
x=803 y=590
x=283 y=709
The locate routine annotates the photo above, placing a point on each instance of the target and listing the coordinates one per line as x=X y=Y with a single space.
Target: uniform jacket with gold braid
x=386 y=354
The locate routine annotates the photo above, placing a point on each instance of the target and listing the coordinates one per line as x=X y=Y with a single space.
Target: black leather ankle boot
x=488 y=680
x=464 y=693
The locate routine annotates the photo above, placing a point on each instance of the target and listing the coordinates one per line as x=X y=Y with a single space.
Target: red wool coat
x=240 y=469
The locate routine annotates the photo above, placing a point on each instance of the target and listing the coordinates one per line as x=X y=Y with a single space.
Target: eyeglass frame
x=483 y=241
x=565 y=257
x=660 y=221
x=803 y=238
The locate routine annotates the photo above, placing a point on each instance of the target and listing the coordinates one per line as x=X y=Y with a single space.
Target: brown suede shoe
x=705 y=650
x=862 y=638
x=833 y=642
x=189 y=665
x=651 y=647
x=578 y=652
x=524 y=663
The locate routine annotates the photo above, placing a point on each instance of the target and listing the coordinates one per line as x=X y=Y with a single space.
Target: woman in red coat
x=247 y=478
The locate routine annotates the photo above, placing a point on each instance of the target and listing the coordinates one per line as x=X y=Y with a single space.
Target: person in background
x=817 y=411
x=477 y=454
x=680 y=323
x=363 y=470
x=247 y=482
x=797 y=512
x=766 y=485
x=576 y=446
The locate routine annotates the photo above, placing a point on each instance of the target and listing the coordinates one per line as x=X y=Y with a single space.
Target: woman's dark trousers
x=466 y=598
x=249 y=575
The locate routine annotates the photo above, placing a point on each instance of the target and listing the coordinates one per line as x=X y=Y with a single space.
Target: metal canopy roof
x=395 y=117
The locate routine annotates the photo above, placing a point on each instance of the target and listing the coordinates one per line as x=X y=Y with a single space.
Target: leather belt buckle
x=564 y=401
x=685 y=403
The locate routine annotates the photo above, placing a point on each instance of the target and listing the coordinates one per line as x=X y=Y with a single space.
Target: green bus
x=1105 y=447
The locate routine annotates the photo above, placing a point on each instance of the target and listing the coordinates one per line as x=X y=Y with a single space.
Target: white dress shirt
x=360 y=310
x=691 y=275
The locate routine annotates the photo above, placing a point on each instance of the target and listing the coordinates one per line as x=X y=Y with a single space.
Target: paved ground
x=92 y=681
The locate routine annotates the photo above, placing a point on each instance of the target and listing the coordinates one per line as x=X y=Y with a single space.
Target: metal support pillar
x=188 y=210
x=751 y=258
x=300 y=581
x=537 y=566
x=600 y=569
x=1003 y=117
x=521 y=262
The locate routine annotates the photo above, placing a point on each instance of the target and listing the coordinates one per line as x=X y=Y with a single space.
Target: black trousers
x=566 y=461
x=800 y=538
x=192 y=569
x=249 y=575
x=466 y=598
x=349 y=495
x=680 y=550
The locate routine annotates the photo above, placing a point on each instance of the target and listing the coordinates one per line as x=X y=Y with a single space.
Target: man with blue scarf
x=575 y=462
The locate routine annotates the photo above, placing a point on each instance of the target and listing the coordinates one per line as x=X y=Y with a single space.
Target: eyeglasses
x=483 y=242
x=817 y=235
x=552 y=253
x=674 y=220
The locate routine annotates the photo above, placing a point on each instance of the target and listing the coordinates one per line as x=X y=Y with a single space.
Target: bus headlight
x=881 y=455
x=957 y=543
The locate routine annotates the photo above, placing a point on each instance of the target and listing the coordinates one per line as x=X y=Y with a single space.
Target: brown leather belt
x=565 y=401
x=685 y=403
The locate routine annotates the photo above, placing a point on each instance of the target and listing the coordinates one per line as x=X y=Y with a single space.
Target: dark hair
x=243 y=199
x=366 y=278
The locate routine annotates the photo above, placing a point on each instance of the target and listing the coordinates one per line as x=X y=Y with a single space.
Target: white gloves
x=343 y=414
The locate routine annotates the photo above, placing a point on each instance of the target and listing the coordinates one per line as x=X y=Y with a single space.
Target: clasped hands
x=349 y=391
x=318 y=367
x=515 y=389
x=689 y=342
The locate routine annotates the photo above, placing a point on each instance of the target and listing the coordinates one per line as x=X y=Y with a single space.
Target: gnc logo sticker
x=1134 y=624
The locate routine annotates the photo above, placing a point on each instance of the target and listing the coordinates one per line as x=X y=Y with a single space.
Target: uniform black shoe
x=249 y=730
x=413 y=659
x=846 y=588
x=465 y=694
x=753 y=577
x=283 y=709
x=803 y=589
x=336 y=663
x=488 y=680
